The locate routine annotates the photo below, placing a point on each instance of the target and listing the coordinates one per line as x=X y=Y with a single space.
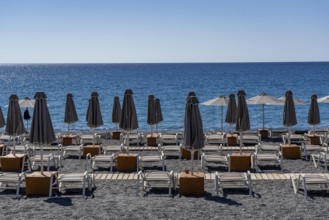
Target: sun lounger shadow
x=160 y=192
x=218 y=169
x=153 y=168
x=269 y=168
x=62 y=201
x=75 y=157
x=171 y=157
x=222 y=200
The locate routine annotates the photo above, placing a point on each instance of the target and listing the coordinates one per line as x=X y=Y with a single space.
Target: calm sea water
x=170 y=83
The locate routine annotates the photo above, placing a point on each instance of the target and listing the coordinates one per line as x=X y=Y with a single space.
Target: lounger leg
x=111 y=164
x=137 y=188
x=305 y=188
x=18 y=186
x=325 y=163
x=169 y=186
x=84 y=187
x=216 y=184
x=51 y=185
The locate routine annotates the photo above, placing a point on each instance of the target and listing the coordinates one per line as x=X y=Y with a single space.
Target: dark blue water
x=170 y=83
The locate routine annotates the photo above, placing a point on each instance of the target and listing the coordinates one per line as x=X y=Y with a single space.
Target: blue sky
x=123 y=31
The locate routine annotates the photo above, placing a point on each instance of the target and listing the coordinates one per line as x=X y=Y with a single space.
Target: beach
x=117 y=198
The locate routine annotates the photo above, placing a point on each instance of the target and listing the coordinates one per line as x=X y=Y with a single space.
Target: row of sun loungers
x=169 y=145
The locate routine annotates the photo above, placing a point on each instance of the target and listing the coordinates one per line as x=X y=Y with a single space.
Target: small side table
x=127 y=162
x=314 y=139
x=116 y=135
x=67 y=139
x=191 y=184
x=38 y=184
x=240 y=162
x=13 y=163
x=151 y=139
x=232 y=139
x=291 y=151
x=263 y=133
x=93 y=150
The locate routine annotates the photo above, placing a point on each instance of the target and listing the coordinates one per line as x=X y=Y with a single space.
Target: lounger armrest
x=140 y=175
x=280 y=155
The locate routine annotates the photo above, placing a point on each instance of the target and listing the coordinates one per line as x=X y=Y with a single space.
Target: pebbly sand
x=117 y=199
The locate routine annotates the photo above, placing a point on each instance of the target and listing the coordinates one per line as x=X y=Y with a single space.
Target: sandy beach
x=117 y=199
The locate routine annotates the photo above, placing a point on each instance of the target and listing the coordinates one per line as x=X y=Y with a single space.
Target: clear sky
x=123 y=31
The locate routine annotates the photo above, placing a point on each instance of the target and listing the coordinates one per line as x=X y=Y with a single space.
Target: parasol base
x=68 y=140
x=291 y=151
x=240 y=162
x=38 y=184
x=314 y=139
x=151 y=139
x=232 y=139
x=93 y=150
x=127 y=162
x=13 y=163
x=186 y=154
x=264 y=133
x=191 y=184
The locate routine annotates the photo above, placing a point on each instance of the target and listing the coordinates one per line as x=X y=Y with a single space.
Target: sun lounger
x=108 y=159
x=12 y=181
x=142 y=160
x=250 y=138
x=76 y=149
x=309 y=182
x=170 y=139
x=159 y=179
x=294 y=138
x=267 y=148
x=170 y=150
x=211 y=149
x=309 y=149
x=215 y=139
x=47 y=159
x=23 y=149
x=90 y=138
x=320 y=158
x=113 y=149
x=135 y=138
x=233 y=181
x=73 y=180
x=215 y=160
x=268 y=159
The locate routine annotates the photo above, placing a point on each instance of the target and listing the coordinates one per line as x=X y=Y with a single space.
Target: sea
x=170 y=82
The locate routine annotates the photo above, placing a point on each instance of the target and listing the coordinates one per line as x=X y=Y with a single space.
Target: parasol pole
x=192 y=158
x=41 y=157
x=263 y=115
x=241 y=141
x=289 y=135
x=128 y=142
x=93 y=130
x=222 y=107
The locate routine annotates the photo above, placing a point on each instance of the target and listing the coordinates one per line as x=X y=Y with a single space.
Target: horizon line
x=229 y=62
